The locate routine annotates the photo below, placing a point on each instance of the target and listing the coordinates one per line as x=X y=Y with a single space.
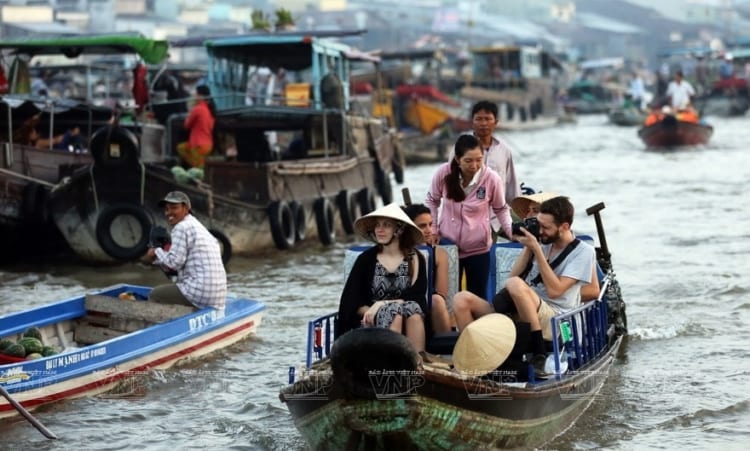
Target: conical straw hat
x=520 y=205
x=365 y=225
x=484 y=344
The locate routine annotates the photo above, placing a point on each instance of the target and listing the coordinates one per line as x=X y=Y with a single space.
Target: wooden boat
x=256 y=195
x=588 y=97
x=671 y=132
x=519 y=79
x=27 y=173
x=368 y=389
x=626 y=117
x=103 y=340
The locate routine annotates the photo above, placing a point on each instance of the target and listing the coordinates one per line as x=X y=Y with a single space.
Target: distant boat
x=627 y=117
x=670 y=132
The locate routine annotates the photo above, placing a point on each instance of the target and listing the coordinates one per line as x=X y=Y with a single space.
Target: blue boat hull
x=96 y=368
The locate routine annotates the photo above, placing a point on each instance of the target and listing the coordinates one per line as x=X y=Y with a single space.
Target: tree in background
x=260 y=21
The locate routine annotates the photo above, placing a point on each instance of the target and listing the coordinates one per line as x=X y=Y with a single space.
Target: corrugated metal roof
x=599 y=22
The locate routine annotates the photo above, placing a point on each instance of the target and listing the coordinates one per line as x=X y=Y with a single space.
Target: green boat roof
x=150 y=50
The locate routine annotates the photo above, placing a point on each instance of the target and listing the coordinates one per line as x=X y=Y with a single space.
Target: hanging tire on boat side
x=300 y=220
x=398 y=163
x=347 y=203
x=360 y=354
x=112 y=146
x=366 y=200
x=34 y=204
x=122 y=230
x=383 y=184
x=282 y=224
x=224 y=244
x=324 y=217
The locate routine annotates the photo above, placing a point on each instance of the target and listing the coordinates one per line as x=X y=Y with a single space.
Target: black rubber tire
x=104 y=230
x=361 y=354
x=324 y=217
x=226 y=246
x=282 y=224
x=106 y=140
x=366 y=200
x=34 y=209
x=347 y=203
x=300 y=221
x=399 y=163
x=383 y=184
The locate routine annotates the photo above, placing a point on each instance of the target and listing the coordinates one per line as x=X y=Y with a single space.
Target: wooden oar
x=46 y=432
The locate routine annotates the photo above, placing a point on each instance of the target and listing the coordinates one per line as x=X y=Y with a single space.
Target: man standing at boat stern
x=498 y=154
x=194 y=254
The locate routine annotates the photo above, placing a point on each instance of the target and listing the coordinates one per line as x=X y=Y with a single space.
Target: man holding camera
x=545 y=280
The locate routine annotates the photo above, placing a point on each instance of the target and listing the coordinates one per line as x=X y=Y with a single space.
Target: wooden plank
x=87 y=335
x=144 y=310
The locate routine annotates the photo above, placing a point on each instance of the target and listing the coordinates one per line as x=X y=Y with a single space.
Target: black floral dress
x=392 y=285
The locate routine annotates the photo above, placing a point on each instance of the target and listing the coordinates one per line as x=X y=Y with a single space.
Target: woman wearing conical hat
x=387 y=285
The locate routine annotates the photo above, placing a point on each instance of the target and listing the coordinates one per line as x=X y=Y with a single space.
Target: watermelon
x=49 y=350
x=15 y=350
x=34 y=356
x=33 y=332
x=4 y=343
x=31 y=345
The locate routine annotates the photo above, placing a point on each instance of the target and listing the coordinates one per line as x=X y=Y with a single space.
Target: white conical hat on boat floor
x=484 y=344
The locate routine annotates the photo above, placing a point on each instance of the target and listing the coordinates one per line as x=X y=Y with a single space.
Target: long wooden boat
x=671 y=132
x=369 y=390
x=103 y=340
x=27 y=173
x=255 y=195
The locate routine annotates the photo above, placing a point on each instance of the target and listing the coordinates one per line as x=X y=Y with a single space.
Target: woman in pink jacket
x=468 y=192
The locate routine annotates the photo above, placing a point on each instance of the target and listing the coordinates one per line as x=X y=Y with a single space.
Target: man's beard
x=550 y=239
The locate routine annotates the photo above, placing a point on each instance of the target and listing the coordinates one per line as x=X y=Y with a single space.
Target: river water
x=676 y=225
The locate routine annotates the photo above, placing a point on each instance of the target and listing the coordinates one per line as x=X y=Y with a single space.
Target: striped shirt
x=196 y=256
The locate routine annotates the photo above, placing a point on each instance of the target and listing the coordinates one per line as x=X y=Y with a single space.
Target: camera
x=159 y=237
x=530 y=224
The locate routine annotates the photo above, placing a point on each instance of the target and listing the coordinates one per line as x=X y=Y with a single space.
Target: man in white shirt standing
x=680 y=92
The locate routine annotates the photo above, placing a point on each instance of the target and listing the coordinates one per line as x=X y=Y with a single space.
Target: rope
x=26 y=177
x=93 y=187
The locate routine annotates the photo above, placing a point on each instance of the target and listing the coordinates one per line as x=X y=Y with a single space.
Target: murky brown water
x=676 y=226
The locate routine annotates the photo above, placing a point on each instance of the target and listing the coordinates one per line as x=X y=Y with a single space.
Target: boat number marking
x=201 y=321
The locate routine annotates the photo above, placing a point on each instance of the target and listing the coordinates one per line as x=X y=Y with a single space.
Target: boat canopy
x=232 y=58
x=150 y=50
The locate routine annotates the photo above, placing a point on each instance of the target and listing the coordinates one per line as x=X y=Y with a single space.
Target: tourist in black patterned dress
x=387 y=286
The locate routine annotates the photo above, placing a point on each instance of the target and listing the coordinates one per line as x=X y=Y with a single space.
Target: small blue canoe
x=105 y=337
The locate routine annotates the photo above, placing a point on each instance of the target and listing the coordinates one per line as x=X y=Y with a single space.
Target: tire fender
x=347 y=203
x=324 y=216
x=107 y=241
x=300 y=220
x=359 y=353
x=366 y=200
x=282 y=224
x=226 y=245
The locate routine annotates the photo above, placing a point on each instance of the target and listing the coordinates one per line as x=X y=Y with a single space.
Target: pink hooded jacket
x=467 y=223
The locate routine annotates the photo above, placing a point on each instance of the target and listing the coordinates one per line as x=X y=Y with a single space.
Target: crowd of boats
x=295 y=155
x=307 y=140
